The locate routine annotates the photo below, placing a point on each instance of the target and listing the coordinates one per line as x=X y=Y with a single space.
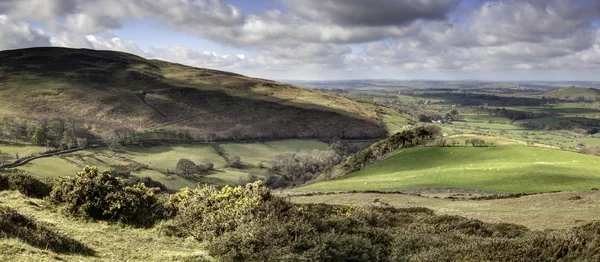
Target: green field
x=503 y=169
x=160 y=159
x=9 y=152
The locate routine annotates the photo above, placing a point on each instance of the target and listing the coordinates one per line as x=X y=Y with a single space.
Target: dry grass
x=542 y=211
x=109 y=242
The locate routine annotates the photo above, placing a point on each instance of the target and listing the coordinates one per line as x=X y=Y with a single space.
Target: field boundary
x=401 y=192
x=28 y=159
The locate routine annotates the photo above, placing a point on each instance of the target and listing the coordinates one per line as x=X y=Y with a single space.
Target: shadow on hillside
x=40 y=235
x=117 y=81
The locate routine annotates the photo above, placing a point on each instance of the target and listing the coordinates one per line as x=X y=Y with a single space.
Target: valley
x=488 y=161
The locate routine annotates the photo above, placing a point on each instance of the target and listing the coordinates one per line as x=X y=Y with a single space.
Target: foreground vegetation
x=250 y=224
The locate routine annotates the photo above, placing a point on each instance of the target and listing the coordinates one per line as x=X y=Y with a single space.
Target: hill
x=517 y=169
x=107 y=91
x=574 y=93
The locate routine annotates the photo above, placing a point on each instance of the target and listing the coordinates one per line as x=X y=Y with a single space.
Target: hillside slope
x=108 y=90
x=513 y=169
x=574 y=93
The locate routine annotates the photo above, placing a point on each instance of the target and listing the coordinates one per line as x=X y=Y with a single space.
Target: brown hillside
x=110 y=90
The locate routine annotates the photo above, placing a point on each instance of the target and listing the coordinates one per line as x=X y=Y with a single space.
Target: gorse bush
x=24 y=183
x=250 y=224
x=101 y=196
x=207 y=212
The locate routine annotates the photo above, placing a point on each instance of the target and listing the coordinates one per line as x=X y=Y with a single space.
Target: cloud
x=373 y=12
x=38 y=10
x=331 y=38
x=20 y=35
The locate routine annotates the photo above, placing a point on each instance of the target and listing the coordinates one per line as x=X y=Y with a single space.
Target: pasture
x=159 y=160
x=516 y=169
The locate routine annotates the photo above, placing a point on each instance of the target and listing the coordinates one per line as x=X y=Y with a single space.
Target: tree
x=40 y=136
x=204 y=167
x=236 y=132
x=67 y=140
x=235 y=162
x=186 y=168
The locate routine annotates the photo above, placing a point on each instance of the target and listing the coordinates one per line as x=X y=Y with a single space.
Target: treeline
x=294 y=169
x=251 y=224
x=515 y=115
x=51 y=133
x=238 y=133
x=418 y=135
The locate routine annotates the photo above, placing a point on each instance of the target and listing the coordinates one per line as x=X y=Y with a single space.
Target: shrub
x=3 y=183
x=206 y=212
x=204 y=168
x=15 y=225
x=101 y=196
x=147 y=181
x=306 y=233
x=25 y=184
x=186 y=168
x=250 y=224
x=236 y=162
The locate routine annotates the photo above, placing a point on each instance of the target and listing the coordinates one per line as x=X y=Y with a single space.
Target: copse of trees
x=293 y=169
x=298 y=168
x=476 y=142
x=55 y=133
x=187 y=168
x=410 y=137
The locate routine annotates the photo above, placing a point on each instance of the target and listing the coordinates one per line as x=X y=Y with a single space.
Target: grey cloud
x=38 y=10
x=373 y=12
x=313 y=36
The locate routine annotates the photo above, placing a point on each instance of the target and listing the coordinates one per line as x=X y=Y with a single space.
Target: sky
x=497 y=40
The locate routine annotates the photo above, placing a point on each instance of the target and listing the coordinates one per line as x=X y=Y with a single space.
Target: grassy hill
x=106 y=90
x=517 y=169
x=574 y=93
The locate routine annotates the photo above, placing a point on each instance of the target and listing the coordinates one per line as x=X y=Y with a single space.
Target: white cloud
x=314 y=37
x=15 y=35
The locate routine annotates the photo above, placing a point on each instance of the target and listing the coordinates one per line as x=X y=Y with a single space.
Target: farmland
x=158 y=160
x=516 y=169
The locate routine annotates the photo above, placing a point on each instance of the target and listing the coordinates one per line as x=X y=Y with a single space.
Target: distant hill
x=108 y=90
x=574 y=93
